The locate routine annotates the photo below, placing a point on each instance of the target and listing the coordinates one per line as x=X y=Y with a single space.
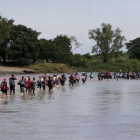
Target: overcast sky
x=74 y=17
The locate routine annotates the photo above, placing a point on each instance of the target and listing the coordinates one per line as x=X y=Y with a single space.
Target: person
x=74 y=78
x=50 y=83
x=63 y=79
x=27 y=77
x=28 y=85
x=83 y=77
x=54 y=79
x=39 y=82
x=78 y=78
x=71 y=81
x=4 y=88
x=91 y=76
x=12 y=84
x=99 y=76
x=58 y=78
x=33 y=84
x=43 y=83
x=22 y=83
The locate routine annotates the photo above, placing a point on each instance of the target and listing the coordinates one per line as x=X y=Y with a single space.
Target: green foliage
x=5 y=28
x=107 y=41
x=24 y=44
x=134 y=48
x=62 y=48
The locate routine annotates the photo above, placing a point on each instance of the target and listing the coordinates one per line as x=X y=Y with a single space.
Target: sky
x=74 y=17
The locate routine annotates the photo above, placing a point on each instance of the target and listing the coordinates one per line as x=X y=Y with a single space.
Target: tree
x=24 y=44
x=134 y=48
x=47 y=50
x=5 y=29
x=62 y=49
x=87 y=56
x=107 y=41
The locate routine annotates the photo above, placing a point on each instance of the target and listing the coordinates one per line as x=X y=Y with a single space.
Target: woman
x=28 y=85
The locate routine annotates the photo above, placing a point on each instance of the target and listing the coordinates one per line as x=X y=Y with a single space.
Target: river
x=97 y=110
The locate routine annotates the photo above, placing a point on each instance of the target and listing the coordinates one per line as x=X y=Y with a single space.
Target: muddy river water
x=97 y=110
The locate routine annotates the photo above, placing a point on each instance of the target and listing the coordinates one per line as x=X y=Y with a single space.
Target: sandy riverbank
x=6 y=69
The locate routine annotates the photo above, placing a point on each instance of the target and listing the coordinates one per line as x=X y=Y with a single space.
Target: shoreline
x=14 y=70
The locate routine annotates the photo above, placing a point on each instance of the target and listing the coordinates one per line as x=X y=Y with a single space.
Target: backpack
x=4 y=85
x=71 y=78
x=12 y=83
x=39 y=81
x=64 y=78
x=22 y=83
x=32 y=83
x=91 y=76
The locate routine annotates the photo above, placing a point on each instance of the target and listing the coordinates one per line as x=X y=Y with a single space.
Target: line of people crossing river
x=28 y=85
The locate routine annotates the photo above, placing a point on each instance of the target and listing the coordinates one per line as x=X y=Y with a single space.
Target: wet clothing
x=91 y=76
x=12 y=85
x=50 y=84
x=43 y=84
x=62 y=81
x=32 y=86
x=22 y=84
x=28 y=85
x=39 y=83
x=4 y=87
x=71 y=81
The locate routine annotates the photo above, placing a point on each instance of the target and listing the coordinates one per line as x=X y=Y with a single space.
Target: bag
x=39 y=82
x=22 y=83
x=4 y=86
x=91 y=76
x=32 y=83
x=64 y=78
x=71 y=78
x=12 y=83
x=19 y=83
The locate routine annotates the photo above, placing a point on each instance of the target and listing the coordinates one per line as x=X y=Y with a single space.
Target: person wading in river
x=4 y=88
x=12 y=84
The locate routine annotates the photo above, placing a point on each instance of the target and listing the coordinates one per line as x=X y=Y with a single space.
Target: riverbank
x=41 y=67
x=9 y=69
x=38 y=68
x=94 y=65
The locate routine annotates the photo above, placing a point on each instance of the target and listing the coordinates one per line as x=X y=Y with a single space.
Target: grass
x=41 y=67
x=95 y=65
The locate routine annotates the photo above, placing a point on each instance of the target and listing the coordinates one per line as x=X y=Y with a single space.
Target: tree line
x=22 y=45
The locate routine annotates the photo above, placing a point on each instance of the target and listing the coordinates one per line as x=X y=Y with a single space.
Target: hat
x=27 y=75
x=4 y=79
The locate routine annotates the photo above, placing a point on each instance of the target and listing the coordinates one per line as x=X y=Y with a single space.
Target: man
x=91 y=76
x=33 y=84
x=71 y=80
x=4 y=88
x=12 y=84
x=63 y=79
x=39 y=83
x=22 y=85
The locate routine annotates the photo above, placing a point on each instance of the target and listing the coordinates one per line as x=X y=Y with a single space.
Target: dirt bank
x=6 y=69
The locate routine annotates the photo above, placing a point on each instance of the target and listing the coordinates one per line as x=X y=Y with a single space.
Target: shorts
x=4 y=91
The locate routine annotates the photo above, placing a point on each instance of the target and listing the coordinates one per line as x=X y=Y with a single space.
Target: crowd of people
x=28 y=85
x=118 y=75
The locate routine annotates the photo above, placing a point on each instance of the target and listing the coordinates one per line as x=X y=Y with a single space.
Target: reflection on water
x=101 y=110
